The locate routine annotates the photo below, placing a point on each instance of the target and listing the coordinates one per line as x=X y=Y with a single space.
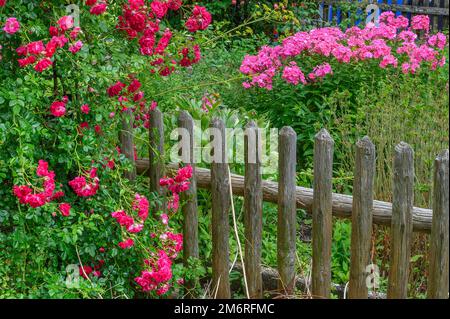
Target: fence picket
x=253 y=201
x=401 y=226
x=286 y=231
x=439 y=243
x=156 y=153
x=127 y=143
x=322 y=215
x=189 y=197
x=362 y=217
x=220 y=191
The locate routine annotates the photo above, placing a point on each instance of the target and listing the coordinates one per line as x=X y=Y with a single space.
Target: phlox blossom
x=438 y=40
x=293 y=74
x=420 y=22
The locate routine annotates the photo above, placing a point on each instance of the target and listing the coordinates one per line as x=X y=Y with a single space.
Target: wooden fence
x=361 y=208
x=438 y=10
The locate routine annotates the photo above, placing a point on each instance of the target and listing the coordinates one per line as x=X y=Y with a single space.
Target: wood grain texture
x=438 y=275
x=401 y=226
x=189 y=198
x=361 y=218
x=445 y=20
x=286 y=231
x=253 y=201
x=322 y=215
x=127 y=143
x=156 y=153
x=220 y=192
x=342 y=204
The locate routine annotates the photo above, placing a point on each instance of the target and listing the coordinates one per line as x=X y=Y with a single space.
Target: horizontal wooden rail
x=342 y=204
x=396 y=7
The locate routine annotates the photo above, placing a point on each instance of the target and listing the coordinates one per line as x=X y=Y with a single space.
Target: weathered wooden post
x=322 y=222
x=439 y=244
x=286 y=232
x=401 y=226
x=220 y=191
x=362 y=218
x=156 y=153
x=190 y=212
x=253 y=201
x=127 y=143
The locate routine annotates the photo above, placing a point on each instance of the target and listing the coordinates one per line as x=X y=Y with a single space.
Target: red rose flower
x=200 y=19
x=115 y=89
x=65 y=23
x=58 y=108
x=11 y=26
x=43 y=64
x=98 y=9
x=159 y=9
x=85 y=108
x=64 y=208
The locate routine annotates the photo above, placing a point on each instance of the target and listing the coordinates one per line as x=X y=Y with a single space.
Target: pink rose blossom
x=11 y=26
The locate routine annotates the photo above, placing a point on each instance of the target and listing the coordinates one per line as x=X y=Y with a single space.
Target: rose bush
x=66 y=80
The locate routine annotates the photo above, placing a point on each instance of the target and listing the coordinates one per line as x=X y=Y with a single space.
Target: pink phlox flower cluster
x=420 y=22
x=388 y=43
x=438 y=40
x=293 y=74
x=320 y=71
x=208 y=101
